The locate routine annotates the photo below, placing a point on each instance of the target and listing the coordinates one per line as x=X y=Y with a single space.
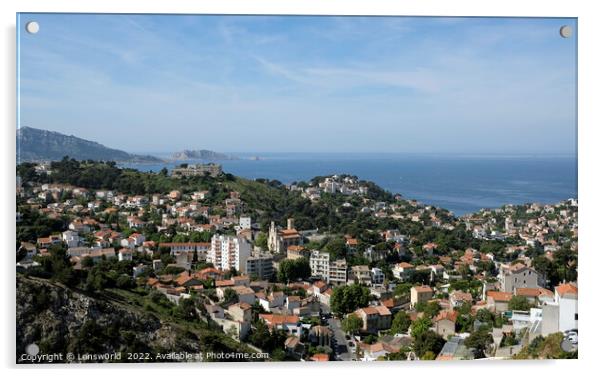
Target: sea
x=460 y=183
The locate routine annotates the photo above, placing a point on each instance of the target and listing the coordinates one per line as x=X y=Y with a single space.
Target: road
x=341 y=349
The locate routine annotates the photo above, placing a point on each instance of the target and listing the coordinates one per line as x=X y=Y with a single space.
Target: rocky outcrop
x=60 y=320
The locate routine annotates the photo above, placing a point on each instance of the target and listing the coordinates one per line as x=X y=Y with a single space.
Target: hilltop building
x=193 y=170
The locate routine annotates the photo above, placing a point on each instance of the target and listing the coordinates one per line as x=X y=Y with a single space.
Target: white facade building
x=245 y=223
x=229 y=252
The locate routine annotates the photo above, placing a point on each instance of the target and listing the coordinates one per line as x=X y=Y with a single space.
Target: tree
x=420 y=277
x=336 y=248
x=261 y=241
x=428 y=341
x=87 y=262
x=400 y=323
x=230 y=296
x=293 y=269
x=266 y=340
x=352 y=324
x=485 y=316
x=58 y=265
x=346 y=299
x=480 y=340
x=420 y=326
x=519 y=303
x=403 y=289
x=186 y=309
x=429 y=309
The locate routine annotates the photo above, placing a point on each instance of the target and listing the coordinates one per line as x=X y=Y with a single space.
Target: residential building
x=244 y=222
x=201 y=248
x=403 y=270
x=296 y=252
x=260 y=265
x=518 y=276
x=420 y=294
x=361 y=274
x=377 y=276
x=459 y=298
x=334 y=272
x=319 y=263
x=337 y=273
x=229 y=252
x=498 y=301
x=565 y=295
x=445 y=323
x=71 y=238
x=288 y=323
x=374 y=318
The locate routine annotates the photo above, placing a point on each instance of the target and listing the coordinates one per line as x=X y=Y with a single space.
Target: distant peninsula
x=42 y=145
x=201 y=154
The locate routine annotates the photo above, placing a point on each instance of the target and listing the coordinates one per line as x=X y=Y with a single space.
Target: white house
x=71 y=238
x=566 y=297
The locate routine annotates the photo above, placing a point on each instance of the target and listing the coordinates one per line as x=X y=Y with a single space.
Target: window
x=575 y=316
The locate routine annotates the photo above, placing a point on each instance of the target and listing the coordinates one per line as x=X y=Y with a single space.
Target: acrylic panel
x=295 y=188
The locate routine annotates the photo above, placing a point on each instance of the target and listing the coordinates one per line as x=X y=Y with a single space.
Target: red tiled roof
x=564 y=289
x=451 y=315
x=499 y=296
x=320 y=357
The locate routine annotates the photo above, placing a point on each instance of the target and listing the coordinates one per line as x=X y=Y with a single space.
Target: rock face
x=60 y=320
x=41 y=145
x=202 y=154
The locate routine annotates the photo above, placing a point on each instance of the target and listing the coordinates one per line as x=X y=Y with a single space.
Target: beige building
x=261 y=266
x=361 y=274
x=445 y=323
x=337 y=273
x=420 y=294
x=374 y=318
x=498 y=301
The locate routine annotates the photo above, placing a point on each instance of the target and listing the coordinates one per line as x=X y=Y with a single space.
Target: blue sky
x=152 y=83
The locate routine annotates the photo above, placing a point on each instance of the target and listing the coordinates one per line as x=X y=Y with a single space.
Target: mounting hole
x=566 y=31
x=32 y=27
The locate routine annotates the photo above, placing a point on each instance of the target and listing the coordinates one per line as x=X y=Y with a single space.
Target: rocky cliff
x=61 y=320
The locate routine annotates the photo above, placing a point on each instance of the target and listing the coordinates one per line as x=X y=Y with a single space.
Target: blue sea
x=459 y=183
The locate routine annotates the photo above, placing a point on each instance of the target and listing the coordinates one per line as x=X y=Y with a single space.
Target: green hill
x=41 y=145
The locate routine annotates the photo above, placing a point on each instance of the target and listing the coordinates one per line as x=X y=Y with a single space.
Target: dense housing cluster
x=331 y=269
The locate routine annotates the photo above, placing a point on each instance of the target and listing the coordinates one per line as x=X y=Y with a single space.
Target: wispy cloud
x=233 y=83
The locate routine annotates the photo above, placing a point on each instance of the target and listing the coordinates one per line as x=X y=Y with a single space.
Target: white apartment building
x=334 y=272
x=319 y=262
x=229 y=252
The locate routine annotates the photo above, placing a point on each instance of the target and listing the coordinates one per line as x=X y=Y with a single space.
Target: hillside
x=59 y=319
x=40 y=145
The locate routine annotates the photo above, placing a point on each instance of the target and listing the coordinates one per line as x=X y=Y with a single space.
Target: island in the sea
x=140 y=265
x=201 y=154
